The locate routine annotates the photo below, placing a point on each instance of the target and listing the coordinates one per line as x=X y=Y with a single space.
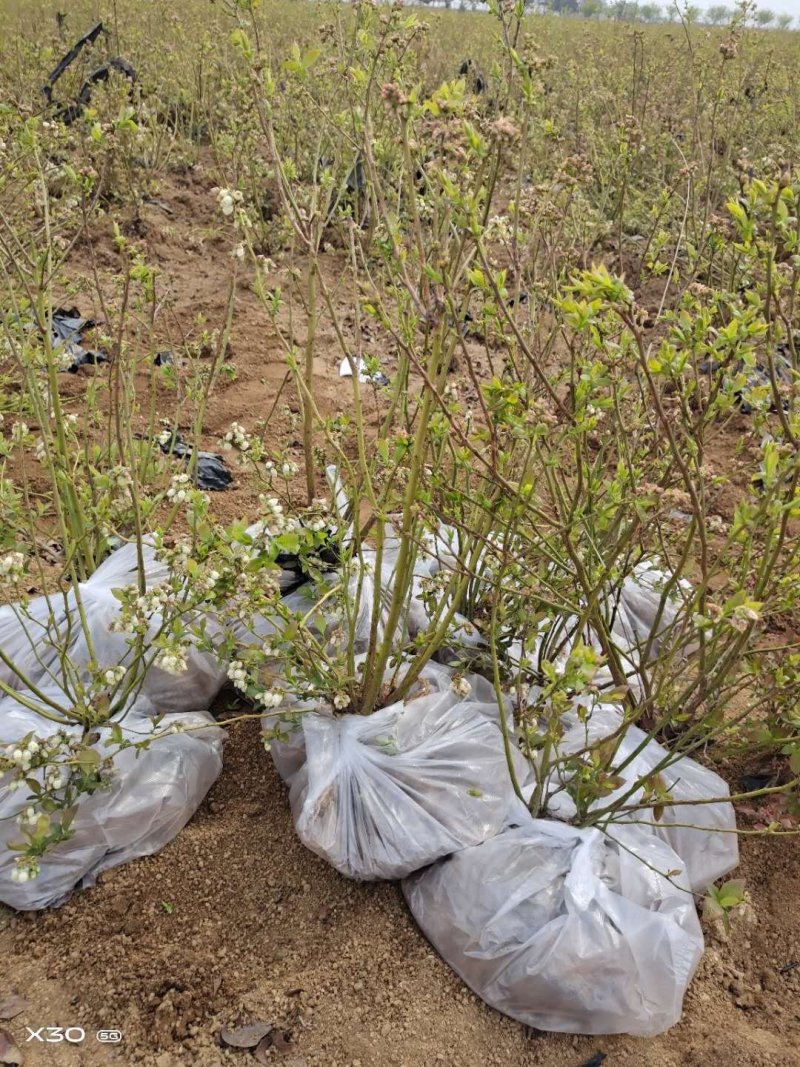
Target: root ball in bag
x=380 y=796
x=566 y=929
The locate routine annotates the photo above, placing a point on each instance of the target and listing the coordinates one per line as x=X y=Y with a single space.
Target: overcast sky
x=791 y=7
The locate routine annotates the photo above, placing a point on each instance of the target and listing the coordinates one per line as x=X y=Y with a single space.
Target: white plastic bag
x=701 y=834
x=637 y=620
x=635 y=625
x=34 y=639
x=565 y=929
x=379 y=796
x=149 y=801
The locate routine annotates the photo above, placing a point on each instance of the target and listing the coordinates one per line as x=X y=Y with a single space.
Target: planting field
x=437 y=372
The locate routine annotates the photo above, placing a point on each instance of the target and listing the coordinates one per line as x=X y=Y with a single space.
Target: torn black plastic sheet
x=210 y=470
x=68 y=327
x=69 y=114
x=66 y=61
x=295 y=571
x=757 y=376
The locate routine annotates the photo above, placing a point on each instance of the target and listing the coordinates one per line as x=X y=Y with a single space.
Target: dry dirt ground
x=236 y=921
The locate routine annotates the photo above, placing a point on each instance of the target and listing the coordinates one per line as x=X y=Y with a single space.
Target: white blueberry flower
x=228 y=199
x=12 y=566
x=25 y=870
x=237 y=437
x=171 y=660
x=237 y=674
x=270 y=698
x=180 y=489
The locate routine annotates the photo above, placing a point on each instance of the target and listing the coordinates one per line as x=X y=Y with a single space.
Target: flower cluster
x=172 y=660
x=23 y=755
x=269 y=698
x=253 y=592
x=228 y=199
x=266 y=698
x=19 y=432
x=139 y=608
x=12 y=566
x=114 y=675
x=273 y=517
x=498 y=228
x=180 y=489
x=25 y=869
x=237 y=437
x=237 y=674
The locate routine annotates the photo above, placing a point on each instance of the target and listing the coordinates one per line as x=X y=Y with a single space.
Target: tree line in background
x=633 y=11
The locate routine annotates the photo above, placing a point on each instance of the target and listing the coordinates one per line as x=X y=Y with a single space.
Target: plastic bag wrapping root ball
x=565 y=929
x=380 y=796
x=35 y=637
x=638 y=624
x=360 y=573
x=150 y=799
x=701 y=833
x=639 y=619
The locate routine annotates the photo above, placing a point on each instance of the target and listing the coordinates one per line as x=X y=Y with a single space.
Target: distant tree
x=718 y=14
x=649 y=12
x=783 y=21
x=592 y=9
x=670 y=12
x=765 y=17
x=564 y=7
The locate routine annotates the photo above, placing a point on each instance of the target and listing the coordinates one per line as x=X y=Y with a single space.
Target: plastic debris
x=66 y=61
x=476 y=82
x=357 y=179
x=162 y=205
x=210 y=470
x=566 y=929
x=246 y=1036
x=639 y=625
x=346 y=371
x=757 y=377
x=68 y=329
x=151 y=796
x=71 y=112
x=354 y=191
x=474 y=328
x=382 y=795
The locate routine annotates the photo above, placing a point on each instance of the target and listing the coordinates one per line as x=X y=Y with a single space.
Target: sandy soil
x=236 y=921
